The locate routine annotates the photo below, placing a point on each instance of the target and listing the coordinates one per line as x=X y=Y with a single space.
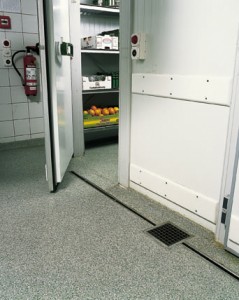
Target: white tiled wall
x=21 y=117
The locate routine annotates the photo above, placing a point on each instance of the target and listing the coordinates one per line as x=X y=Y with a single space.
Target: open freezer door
x=56 y=52
x=232 y=219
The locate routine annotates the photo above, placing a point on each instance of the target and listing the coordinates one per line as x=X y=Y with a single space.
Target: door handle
x=64 y=49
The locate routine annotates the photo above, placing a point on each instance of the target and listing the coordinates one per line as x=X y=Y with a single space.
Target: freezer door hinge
x=224 y=209
x=46 y=172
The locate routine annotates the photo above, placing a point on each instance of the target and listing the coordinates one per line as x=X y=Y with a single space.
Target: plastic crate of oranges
x=97 y=116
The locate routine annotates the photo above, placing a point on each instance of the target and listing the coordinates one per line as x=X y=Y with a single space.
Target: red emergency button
x=5 y=22
x=134 y=39
x=6 y=43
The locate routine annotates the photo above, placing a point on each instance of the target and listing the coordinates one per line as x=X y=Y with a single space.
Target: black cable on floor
x=215 y=263
x=112 y=197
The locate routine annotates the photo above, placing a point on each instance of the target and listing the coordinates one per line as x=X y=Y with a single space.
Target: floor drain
x=168 y=234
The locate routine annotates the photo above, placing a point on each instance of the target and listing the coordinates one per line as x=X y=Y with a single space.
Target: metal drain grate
x=168 y=234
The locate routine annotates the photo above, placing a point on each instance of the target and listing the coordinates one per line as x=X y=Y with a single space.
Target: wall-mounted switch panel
x=138 y=43
x=6 y=53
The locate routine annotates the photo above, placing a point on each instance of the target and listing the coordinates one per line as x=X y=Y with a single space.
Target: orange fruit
x=105 y=111
x=97 y=112
x=111 y=111
x=91 y=112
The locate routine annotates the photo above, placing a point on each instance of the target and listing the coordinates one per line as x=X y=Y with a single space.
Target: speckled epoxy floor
x=78 y=244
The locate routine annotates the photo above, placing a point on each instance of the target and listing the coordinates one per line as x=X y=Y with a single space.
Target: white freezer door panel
x=60 y=82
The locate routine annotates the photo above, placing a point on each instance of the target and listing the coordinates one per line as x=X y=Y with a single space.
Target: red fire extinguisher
x=30 y=75
x=30 y=70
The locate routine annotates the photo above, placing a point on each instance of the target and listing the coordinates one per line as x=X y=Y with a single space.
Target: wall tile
x=29 y=7
x=2 y=37
x=22 y=137
x=5 y=112
x=38 y=135
x=30 y=39
x=7 y=129
x=5 y=95
x=18 y=59
x=13 y=102
x=4 y=77
x=11 y=6
x=37 y=125
x=29 y=24
x=16 y=22
x=14 y=78
x=22 y=127
x=7 y=140
x=16 y=39
x=20 y=111
x=35 y=110
x=37 y=98
x=18 y=95
x=1 y=61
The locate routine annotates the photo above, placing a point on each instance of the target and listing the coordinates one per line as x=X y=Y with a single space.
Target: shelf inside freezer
x=98 y=121
x=99 y=51
x=99 y=133
x=103 y=91
x=99 y=9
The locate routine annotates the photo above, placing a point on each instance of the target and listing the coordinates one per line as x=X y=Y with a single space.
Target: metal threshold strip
x=188 y=246
x=112 y=197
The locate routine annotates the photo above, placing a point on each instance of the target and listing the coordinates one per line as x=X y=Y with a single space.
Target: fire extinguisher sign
x=31 y=73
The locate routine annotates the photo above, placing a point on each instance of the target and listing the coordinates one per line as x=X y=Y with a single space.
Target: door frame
x=77 y=101
x=231 y=199
x=126 y=24
x=49 y=166
x=125 y=78
x=231 y=148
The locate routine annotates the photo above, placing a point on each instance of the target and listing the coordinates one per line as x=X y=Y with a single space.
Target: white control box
x=138 y=46
x=6 y=53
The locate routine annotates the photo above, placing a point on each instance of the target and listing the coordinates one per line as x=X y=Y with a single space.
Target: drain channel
x=215 y=263
x=112 y=197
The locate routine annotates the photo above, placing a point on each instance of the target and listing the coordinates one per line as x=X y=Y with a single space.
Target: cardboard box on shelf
x=96 y=82
x=105 y=42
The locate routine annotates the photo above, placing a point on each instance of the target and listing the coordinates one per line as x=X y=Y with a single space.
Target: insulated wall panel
x=181 y=142
x=179 y=126
x=188 y=37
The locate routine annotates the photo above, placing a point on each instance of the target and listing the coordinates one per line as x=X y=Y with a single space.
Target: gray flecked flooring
x=78 y=244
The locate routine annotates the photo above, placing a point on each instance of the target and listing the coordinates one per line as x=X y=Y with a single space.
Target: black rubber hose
x=14 y=66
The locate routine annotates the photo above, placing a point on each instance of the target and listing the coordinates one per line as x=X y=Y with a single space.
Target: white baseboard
x=197 y=219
